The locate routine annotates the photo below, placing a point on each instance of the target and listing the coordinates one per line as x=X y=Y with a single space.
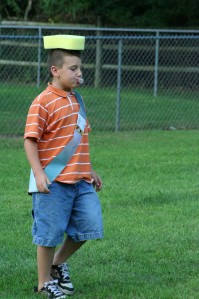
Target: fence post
x=98 y=60
x=119 y=73
x=155 y=91
x=39 y=58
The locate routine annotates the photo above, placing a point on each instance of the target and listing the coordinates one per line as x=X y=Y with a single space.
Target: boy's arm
x=97 y=182
x=31 y=149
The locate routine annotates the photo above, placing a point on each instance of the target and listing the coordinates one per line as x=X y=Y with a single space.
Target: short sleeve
x=36 y=121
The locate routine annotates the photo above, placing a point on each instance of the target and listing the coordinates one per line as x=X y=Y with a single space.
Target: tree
x=28 y=8
x=115 y=13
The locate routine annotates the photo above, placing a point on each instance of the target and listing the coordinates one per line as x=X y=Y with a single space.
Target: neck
x=57 y=85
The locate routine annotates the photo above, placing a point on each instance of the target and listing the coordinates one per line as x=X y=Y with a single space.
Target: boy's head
x=64 y=60
x=65 y=68
x=56 y=57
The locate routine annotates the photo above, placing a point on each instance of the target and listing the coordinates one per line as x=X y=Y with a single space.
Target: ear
x=54 y=71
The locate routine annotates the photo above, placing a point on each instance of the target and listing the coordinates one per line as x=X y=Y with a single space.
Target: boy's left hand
x=97 y=182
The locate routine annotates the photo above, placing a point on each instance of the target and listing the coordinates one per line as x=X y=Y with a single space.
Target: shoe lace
x=64 y=270
x=51 y=285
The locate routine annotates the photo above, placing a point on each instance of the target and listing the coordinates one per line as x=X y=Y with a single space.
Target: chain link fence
x=134 y=79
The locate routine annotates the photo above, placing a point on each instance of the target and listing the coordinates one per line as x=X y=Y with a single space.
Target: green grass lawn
x=150 y=205
x=139 y=109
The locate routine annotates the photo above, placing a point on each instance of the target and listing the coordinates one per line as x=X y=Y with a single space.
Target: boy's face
x=67 y=77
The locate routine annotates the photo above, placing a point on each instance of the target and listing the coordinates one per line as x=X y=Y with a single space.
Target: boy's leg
x=66 y=250
x=85 y=223
x=60 y=268
x=44 y=262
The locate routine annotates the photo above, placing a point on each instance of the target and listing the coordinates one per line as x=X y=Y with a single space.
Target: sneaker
x=50 y=290
x=61 y=273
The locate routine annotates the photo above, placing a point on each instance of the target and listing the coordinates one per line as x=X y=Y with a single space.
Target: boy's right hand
x=31 y=148
x=42 y=182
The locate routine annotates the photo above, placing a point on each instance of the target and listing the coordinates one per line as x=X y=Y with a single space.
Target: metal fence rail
x=134 y=79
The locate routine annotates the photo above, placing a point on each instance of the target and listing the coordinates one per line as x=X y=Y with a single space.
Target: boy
x=56 y=145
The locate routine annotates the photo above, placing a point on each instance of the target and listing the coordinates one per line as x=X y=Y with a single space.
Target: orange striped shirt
x=51 y=120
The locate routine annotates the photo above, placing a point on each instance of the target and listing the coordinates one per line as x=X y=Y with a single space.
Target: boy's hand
x=42 y=182
x=31 y=148
x=97 y=182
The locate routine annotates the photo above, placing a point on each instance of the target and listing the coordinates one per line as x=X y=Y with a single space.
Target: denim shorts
x=73 y=209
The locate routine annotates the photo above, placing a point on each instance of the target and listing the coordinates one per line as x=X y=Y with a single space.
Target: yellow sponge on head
x=67 y=42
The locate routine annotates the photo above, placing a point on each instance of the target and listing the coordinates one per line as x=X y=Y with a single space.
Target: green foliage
x=126 y=13
x=63 y=10
x=12 y=9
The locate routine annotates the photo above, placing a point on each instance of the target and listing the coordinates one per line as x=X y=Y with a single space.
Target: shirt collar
x=59 y=92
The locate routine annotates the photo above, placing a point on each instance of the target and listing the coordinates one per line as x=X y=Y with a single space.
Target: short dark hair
x=56 y=57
